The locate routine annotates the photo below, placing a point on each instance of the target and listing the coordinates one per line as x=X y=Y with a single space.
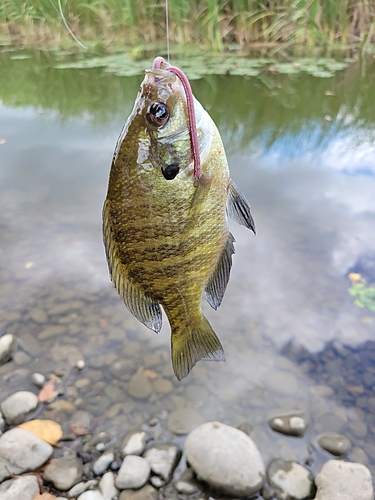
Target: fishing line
x=167 y=26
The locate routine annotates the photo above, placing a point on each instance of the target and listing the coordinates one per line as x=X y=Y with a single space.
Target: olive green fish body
x=166 y=234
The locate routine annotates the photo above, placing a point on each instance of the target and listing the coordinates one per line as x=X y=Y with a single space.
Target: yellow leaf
x=355 y=277
x=48 y=430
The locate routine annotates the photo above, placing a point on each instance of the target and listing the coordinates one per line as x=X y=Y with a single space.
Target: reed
x=214 y=23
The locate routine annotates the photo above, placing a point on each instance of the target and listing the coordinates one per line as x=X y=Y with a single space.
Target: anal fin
x=238 y=208
x=217 y=284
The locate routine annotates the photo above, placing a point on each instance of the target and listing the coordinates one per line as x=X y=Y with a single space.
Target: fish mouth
x=161 y=84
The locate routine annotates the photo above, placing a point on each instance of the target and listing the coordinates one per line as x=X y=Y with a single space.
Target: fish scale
x=167 y=239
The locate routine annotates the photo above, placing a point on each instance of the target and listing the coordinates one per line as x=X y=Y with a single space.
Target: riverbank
x=215 y=25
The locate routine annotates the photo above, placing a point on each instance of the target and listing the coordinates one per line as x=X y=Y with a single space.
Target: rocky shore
x=40 y=461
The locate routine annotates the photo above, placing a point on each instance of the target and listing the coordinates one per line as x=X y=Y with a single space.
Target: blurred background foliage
x=213 y=23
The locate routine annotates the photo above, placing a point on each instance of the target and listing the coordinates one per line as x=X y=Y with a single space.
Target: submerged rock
x=134 y=473
x=183 y=421
x=344 y=481
x=21 y=451
x=226 y=458
x=336 y=444
x=20 y=488
x=290 y=480
x=146 y=493
x=293 y=424
x=18 y=406
x=140 y=386
x=63 y=472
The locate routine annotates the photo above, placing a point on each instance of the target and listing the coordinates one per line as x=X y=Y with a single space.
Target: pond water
x=303 y=151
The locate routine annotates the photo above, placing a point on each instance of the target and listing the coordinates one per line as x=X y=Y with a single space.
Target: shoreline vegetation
x=214 y=25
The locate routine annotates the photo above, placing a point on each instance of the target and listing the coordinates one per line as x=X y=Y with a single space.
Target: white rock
x=107 y=486
x=81 y=487
x=91 y=495
x=21 y=488
x=18 y=406
x=163 y=459
x=102 y=463
x=293 y=480
x=21 y=451
x=134 y=444
x=133 y=474
x=226 y=458
x=80 y=364
x=8 y=344
x=38 y=380
x=344 y=481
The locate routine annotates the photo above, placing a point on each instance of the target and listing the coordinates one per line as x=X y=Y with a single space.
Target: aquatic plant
x=364 y=294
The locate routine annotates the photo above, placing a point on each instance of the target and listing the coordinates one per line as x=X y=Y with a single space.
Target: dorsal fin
x=218 y=282
x=238 y=208
x=144 y=309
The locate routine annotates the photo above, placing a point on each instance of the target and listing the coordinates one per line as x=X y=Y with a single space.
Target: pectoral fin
x=144 y=309
x=238 y=207
x=218 y=282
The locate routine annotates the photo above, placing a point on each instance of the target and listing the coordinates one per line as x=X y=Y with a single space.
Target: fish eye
x=158 y=114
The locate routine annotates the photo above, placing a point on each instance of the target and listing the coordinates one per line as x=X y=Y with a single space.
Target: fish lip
x=161 y=76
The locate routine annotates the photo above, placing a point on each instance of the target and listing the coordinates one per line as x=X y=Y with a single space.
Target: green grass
x=214 y=23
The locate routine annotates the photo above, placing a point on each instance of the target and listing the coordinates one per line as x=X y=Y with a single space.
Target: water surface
x=303 y=151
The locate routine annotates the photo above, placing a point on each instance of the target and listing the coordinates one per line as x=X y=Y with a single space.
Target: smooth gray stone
x=21 y=451
x=134 y=473
x=64 y=472
x=291 y=480
x=163 y=459
x=336 y=444
x=293 y=424
x=38 y=380
x=21 y=488
x=8 y=344
x=101 y=465
x=81 y=487
x=226 y=458
x=107 y=486
x=344 y=481
x=134 y=443
x=146 y=493
x=91 y=495
x=140 y=386
x=18 y=406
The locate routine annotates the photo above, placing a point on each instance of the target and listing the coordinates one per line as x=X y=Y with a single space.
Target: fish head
x=163 y=109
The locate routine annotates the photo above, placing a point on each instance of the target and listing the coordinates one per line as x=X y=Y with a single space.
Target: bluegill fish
x=165 y=224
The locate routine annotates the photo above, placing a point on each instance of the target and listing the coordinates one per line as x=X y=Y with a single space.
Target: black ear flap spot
x=170 y=171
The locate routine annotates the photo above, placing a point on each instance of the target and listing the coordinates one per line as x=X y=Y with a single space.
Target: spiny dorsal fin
x=145 y=310
x=217 y=284
x=195 y=343
x=238 y=207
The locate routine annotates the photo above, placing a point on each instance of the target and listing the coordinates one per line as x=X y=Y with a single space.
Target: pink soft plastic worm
x=157 y=64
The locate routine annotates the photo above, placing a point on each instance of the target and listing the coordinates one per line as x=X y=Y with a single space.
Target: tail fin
x=195 y=343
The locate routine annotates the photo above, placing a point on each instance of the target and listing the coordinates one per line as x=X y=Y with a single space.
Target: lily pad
x=364 y=295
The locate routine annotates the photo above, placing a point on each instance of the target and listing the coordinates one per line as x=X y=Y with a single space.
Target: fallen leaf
x=151 y=374
x=355 y=277
x=48 y=392
x=78 y=428
x=48 y=430
x=45 y=496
